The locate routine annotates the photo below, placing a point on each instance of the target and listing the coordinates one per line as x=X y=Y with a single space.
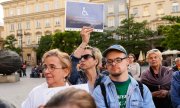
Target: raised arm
x=75 y=57
x=85 y=35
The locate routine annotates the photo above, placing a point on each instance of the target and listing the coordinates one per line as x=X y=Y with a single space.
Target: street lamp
x=20 y=34
x=128 y=11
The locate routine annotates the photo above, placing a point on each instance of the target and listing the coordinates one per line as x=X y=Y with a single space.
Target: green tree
x=172 y=19
x=102 y=40
x=134 y=35
x=45 y=45
x=131 y=30
x=66 y=41
x=170 y=32
x=172 y=36
x=9 y=43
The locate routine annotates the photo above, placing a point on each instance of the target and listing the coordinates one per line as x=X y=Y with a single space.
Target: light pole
x=128 y=9
x=20 y=34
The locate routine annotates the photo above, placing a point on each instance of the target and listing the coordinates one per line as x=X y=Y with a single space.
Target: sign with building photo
x=79 y=14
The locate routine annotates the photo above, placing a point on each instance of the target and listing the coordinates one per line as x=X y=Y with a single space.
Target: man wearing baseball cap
x=121 y=90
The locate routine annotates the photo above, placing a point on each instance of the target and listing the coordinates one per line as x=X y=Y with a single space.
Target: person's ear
x=66 y=72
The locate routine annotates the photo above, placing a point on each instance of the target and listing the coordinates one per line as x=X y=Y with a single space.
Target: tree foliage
x=9 y=43
x=172 y=36
x=171 y=32
x=66 y=41
x=172 y=19
x=134 y=35
x=131 y=30
x=102 y=40
x=45 y=45
x=134 y=46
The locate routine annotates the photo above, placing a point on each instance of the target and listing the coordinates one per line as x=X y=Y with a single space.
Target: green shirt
x=121 y=88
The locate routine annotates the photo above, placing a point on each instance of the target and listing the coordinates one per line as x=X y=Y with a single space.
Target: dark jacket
x=175 y=68
x=175 y=89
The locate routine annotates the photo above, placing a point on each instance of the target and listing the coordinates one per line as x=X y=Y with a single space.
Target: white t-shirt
x=41 y=94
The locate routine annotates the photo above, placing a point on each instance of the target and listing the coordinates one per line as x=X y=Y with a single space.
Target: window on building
x=38 y=24
x=47 y=23
x=28 y=40
x=19 y=41
x=27 y=9
x=38 y=39
x=28 y=57
x=135 y=12
x=110 y=8
x=11 y=12
x=120 y=19
x=57 y=22
x=56 y=4
x=28 y=25
x=19 y=27
x=175 y=7
x=11 y=27
x=18 y=11
x=46 y=6
x=111 y=22
x=146 y=11
x=160 y=9
x=121 y=7
x=37 y=8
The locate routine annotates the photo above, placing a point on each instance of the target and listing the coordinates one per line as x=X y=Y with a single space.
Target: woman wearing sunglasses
x=56 y=69
x=89 y=59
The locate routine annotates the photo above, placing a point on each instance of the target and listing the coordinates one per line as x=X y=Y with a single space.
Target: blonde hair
x=64 y=58
x=154 y=51
x=96 y=53
x=71 y=97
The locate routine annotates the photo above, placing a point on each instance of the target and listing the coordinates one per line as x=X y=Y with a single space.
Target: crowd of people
x=113 y=77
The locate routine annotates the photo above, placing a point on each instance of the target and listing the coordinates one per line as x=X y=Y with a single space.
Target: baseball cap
x=115 y=47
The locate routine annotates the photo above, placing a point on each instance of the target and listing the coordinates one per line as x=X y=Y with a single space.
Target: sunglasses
x=87 y=56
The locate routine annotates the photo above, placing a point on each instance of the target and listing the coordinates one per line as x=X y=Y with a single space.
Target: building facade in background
x=153 y=10
x=33 y=18
x=36 y=18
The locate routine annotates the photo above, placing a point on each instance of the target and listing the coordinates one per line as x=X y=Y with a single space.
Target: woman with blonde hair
x=90 y=60
x=56 y=68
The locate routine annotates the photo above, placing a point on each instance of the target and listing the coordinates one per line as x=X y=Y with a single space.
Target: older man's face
x=154 y=60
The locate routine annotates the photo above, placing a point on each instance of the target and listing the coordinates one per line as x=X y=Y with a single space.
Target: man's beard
x=116 y=74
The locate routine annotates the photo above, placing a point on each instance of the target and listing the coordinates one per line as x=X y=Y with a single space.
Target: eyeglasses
x=50 y=68
x=87 y=56
x=116 y=60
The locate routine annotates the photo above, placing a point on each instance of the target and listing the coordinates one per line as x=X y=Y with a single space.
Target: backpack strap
x=103 y=90
x=141 y=88
x=98 y=81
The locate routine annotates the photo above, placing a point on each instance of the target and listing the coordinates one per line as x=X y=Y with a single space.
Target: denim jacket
x=175 y=89
x=133 y=100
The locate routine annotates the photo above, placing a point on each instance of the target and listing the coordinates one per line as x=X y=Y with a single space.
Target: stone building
x=28 y=20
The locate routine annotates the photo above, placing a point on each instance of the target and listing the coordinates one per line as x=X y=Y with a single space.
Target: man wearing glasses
x=122 y=91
